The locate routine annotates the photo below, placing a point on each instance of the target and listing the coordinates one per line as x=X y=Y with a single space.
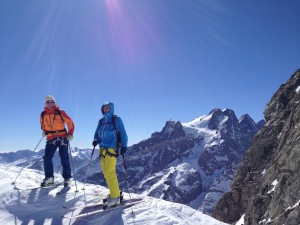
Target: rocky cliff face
x=266 y=186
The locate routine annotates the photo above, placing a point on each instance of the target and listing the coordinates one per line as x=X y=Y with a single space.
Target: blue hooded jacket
x=106 y=134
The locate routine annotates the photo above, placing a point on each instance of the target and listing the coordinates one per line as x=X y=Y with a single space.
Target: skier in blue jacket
x=106 y=137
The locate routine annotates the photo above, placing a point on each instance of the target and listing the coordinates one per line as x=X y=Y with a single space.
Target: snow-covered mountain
x=190 y=163
x=22 y=205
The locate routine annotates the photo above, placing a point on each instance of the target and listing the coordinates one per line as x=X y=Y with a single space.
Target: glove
x=123 y=150
x=95 y=142
x=70 y=137
x=44 y=133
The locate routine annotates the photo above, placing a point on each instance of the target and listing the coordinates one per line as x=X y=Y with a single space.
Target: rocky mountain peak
x=219 y=118
x=260 y=124
x=230 y=113
x=248 y=125
x=216 y=111
x=246 y=119
x=172 y=129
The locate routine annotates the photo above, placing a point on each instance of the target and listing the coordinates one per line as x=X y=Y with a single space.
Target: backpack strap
x=118 y=145
x=57 y=112
x=42 y=116
x=113 y=122
x=113 y=119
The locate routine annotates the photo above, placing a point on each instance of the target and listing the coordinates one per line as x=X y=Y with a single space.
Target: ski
x=85 y=205
x=98 y=204
x=98 y=211
x=39 y=187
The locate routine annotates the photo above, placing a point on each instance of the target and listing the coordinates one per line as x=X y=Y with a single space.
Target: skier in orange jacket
x=53 y=122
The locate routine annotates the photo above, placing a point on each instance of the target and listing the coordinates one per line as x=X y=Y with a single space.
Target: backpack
x=118 y=144
x=57 y=112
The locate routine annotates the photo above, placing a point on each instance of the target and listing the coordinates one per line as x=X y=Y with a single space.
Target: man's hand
x=95 y=142
x=123 y=150
x=70 y=137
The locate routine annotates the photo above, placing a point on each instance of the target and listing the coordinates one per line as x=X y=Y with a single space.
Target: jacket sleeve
x=69 y=122
x=41 y=121
x=96 y=132
x=121 y=128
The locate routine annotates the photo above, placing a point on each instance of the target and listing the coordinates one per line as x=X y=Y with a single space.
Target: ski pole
x=86 y=175
x=87 y=170
x=72 y=166
x=27 y=161
x=126 y=177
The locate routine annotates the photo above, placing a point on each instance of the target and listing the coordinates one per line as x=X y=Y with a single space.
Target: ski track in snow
x=42 y=206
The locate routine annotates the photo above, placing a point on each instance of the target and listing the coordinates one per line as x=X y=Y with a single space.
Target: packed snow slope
x=21 y=204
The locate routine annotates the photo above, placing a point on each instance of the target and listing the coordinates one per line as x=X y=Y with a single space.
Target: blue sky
x=156 y=60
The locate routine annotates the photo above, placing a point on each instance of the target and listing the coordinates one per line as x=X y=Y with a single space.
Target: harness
x=58 y=141
x=56 y=131
x=107 y=153
x=56 y=112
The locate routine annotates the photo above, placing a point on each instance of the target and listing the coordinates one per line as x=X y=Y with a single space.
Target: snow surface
x=42 y=206
x=199 y=127
x=273 y=185
x=294 y=206
x=241 y=220
x=298 y=89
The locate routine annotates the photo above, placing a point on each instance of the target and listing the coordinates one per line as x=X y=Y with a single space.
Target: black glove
x=95 y=142
x=123 y=150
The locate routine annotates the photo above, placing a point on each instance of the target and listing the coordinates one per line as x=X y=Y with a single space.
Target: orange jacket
x=53 y=122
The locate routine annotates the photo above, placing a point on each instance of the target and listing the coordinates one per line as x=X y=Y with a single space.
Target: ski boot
x=67 y=182
x=112 y=202
x=48 y=181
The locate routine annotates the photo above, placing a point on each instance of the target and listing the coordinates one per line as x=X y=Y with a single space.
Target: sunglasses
x=49 y=102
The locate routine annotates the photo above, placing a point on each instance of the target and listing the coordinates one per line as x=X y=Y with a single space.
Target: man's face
x=50 y=104
x=106 y=109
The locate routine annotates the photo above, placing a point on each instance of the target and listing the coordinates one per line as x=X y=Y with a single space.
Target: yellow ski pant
x=108 y=164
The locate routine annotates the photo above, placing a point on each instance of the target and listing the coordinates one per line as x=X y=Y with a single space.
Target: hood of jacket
x=111 y=112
